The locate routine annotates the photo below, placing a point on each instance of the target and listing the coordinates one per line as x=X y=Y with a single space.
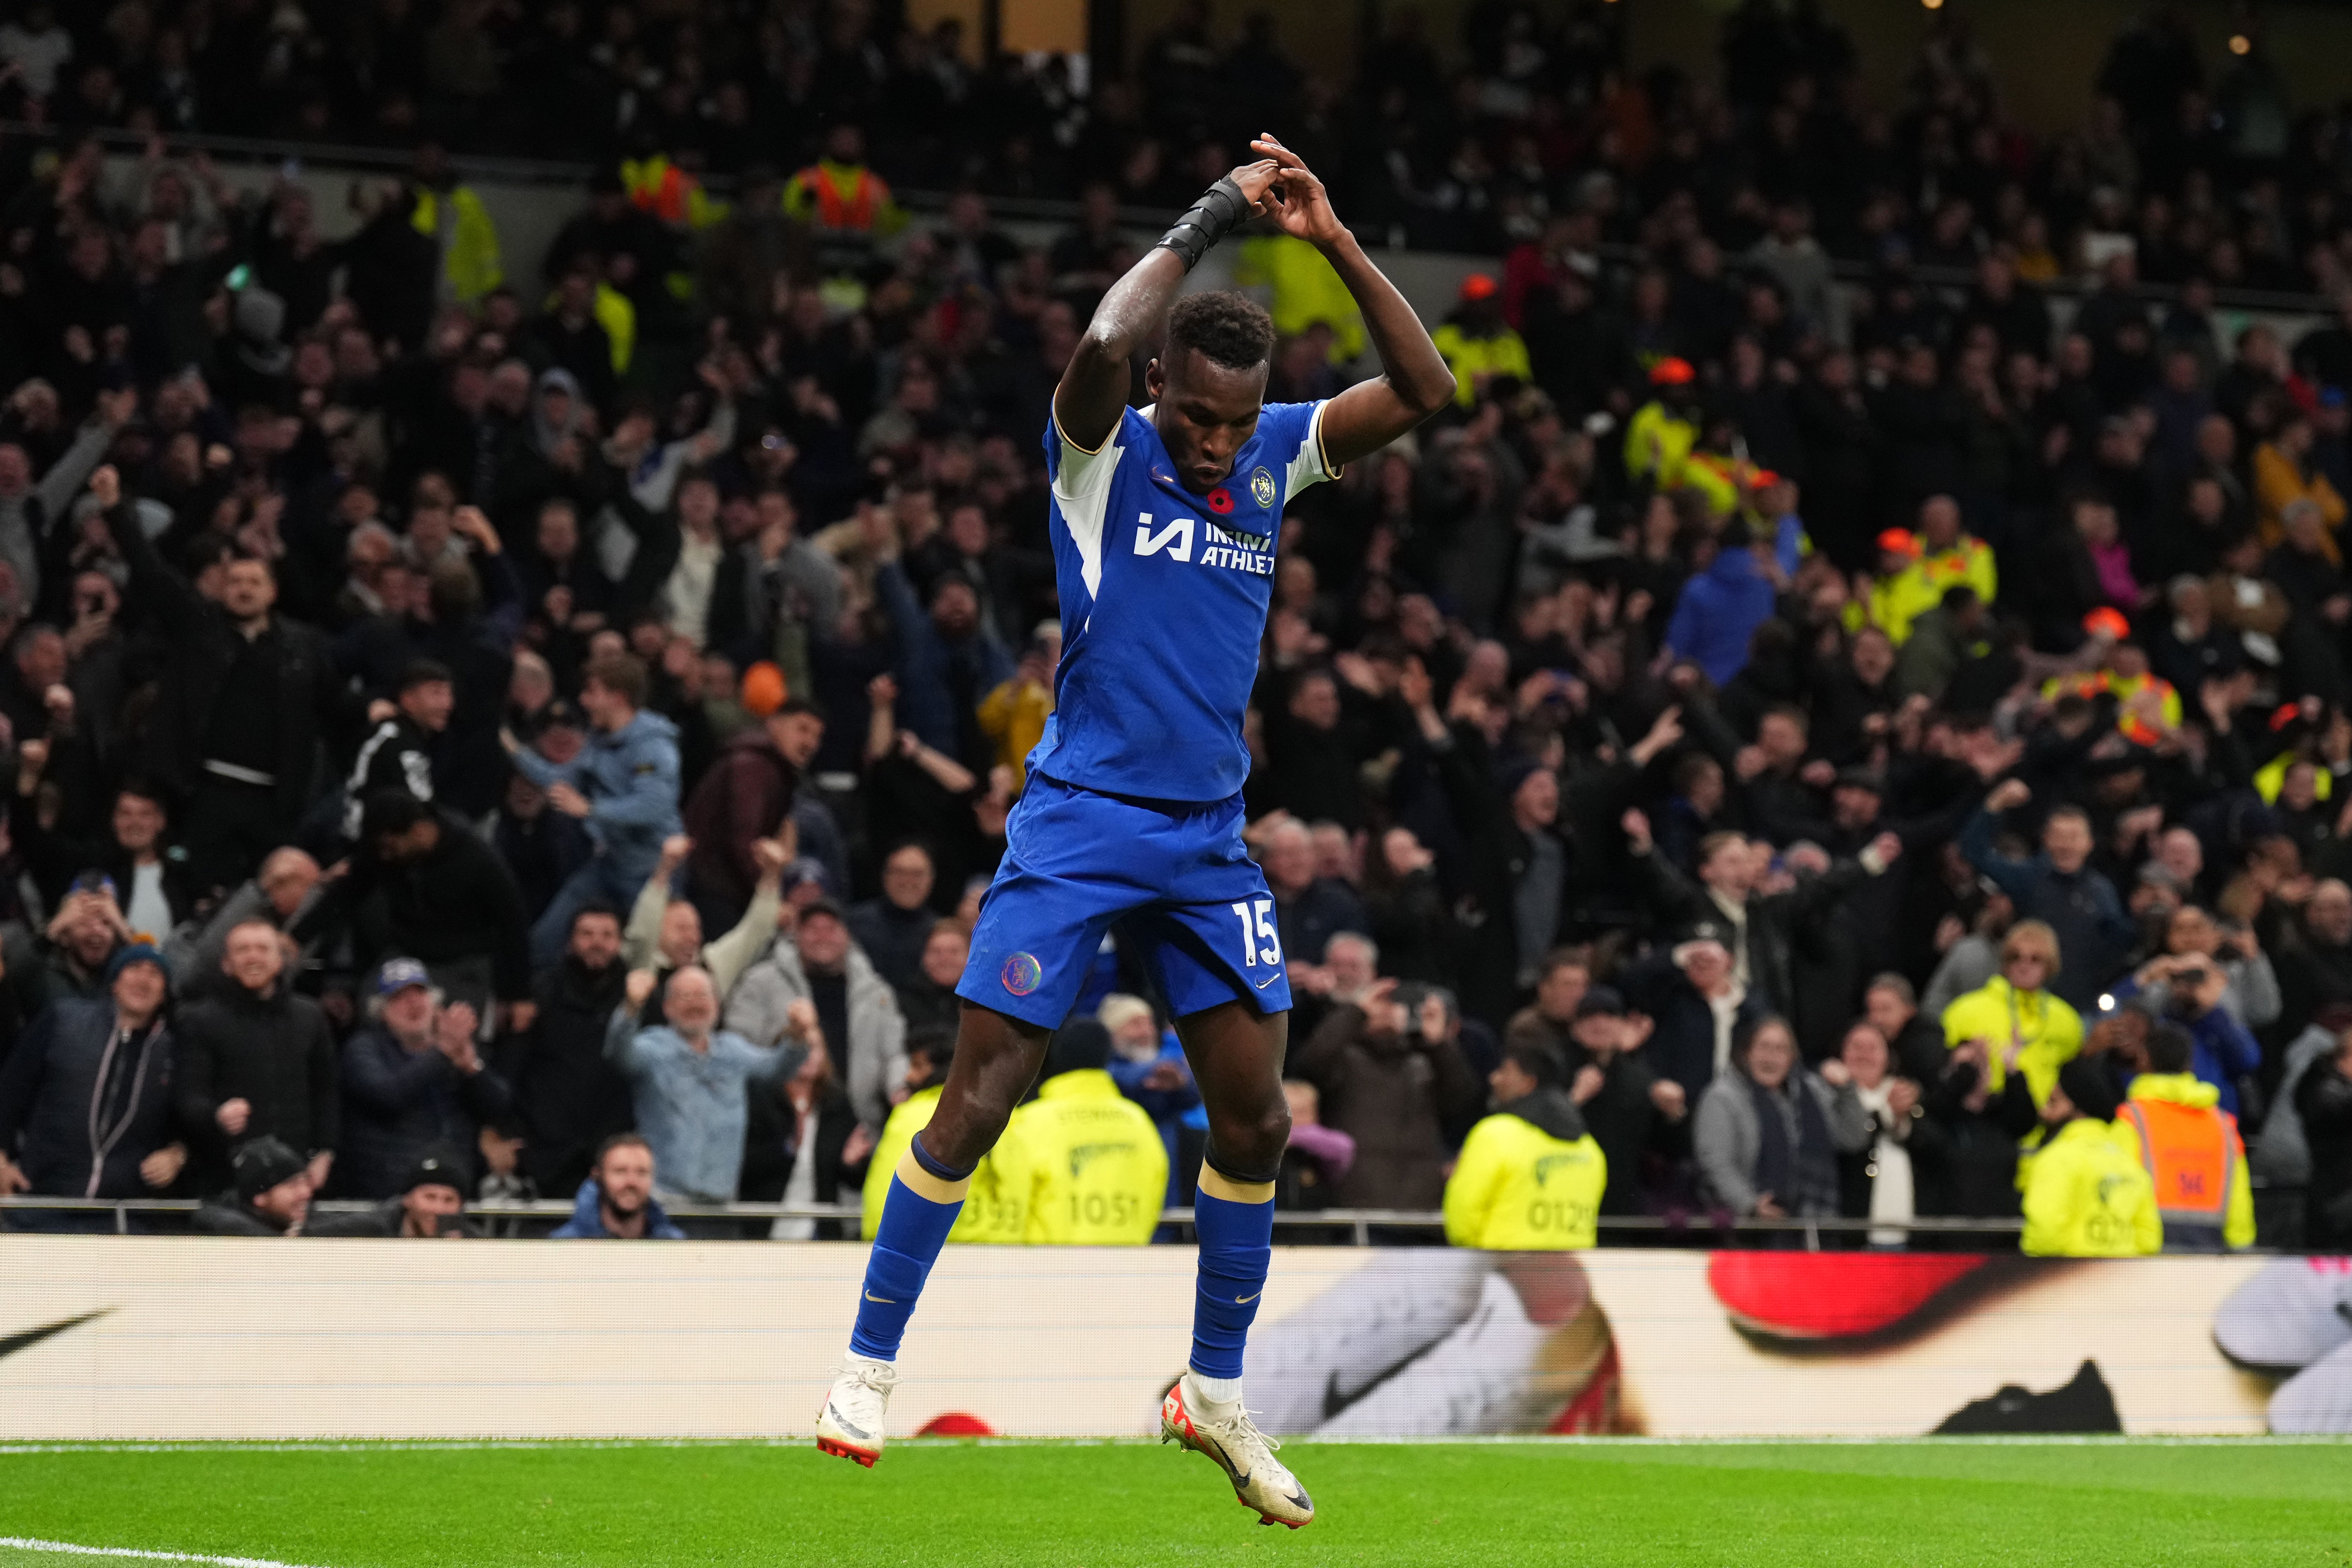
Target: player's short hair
x=1228 y=329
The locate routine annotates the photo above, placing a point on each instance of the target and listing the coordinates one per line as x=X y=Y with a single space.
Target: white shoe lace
x=863 y=1391
x=1238 y=1432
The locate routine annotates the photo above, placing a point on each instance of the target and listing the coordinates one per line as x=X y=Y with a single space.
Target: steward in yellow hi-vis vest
x=1530 y=1176
x=2087 y=1196
x=995 y=1210
x=1097 y=1169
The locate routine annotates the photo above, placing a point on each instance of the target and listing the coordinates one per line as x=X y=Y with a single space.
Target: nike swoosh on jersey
x=1269 y=979
x=884 y=1300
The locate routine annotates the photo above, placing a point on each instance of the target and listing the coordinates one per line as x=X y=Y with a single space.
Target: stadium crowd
x=1795 y=751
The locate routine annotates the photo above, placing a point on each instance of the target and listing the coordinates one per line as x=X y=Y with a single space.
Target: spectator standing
x=1768 y=1135
x=86 y=1098
x=1391 y=1079
x=257 y=1061
x=568 y=1098
x=2194 y=990
x=279 y=894
x=2324 y=1102
x=2058 y=888
x=623 y=784
x=244 y=699
x=1877 y=1181
x=665 y=933
x=892 y=929
x=2017 y=1016
x=414 y=1083
x=688 y=1078
x=1637 y=1117
x=745 y=796
x=616 y=1203
x=820 y=969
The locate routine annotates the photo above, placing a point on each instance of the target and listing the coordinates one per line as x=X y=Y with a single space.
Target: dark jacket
x=457 y=901
x=275 y=1052
x=2095 y=933
x=1682 y=1036
x=79 y=1108
x=55 y=859
x=204 y=644
x=587 y=1221
x=742 y=796
x=567 y=1097
x=402 y=1104
x=1398 y=1097
x=2324 y=1101
x=1676 y=901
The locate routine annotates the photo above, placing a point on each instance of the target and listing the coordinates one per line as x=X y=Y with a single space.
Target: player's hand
x=1256 y=179
x=1298 y=202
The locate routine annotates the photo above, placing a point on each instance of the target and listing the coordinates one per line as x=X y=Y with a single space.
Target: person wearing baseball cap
x=415 y=1083
x=1478 y=344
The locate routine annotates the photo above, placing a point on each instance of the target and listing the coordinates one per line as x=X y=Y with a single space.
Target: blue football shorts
x=1173 y=873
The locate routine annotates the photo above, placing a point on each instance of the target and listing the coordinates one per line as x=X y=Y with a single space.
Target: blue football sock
x=917 y=1215
x=1235 y=1223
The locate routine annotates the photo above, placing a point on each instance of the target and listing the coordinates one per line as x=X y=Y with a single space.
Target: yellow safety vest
x=1097 y=1171
x=1516 y=1188
x=469 y=256
x=1469 y=358
x=1306 y=290
x=2089 y=1199
x=995 y=1209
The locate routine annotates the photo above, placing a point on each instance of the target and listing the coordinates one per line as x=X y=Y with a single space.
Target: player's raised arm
x=1413 y=382
x=1093 y=385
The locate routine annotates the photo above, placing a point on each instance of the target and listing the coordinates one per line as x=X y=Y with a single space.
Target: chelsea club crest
x=1261 y=488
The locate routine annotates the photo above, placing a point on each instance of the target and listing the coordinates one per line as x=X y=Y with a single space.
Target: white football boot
x=1227 y=1435
x=850 y=1425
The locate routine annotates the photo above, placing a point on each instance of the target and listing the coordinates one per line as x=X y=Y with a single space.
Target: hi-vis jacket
x=1517 y=1188
x=1098 y=1170
x=2190 y=1147
x=995 y=1210
x=2089 y=1197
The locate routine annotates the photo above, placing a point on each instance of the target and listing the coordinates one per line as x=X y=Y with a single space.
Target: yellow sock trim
x=1217 y=1185
x=923 y=1184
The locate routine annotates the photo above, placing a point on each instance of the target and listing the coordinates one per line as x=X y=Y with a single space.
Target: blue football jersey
x=1164 y=596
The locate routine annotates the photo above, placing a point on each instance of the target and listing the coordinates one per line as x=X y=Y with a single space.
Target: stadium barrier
x=180 y=1338
x=1357 y=1227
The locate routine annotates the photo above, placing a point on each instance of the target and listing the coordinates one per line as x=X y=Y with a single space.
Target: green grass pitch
x=942 y=1505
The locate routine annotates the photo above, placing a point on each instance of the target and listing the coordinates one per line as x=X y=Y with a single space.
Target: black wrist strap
x=1221 y=207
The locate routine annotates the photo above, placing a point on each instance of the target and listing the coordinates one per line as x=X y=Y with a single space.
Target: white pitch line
x=69 y=1549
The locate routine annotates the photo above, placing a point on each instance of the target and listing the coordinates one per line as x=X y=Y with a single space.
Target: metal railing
x=1360 y=1224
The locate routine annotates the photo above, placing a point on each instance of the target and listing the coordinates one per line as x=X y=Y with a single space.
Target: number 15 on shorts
x=1260 y=944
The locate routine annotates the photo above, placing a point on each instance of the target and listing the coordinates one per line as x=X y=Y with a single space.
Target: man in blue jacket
x=623 y=784
x=616 y=1201
x=1721 y=605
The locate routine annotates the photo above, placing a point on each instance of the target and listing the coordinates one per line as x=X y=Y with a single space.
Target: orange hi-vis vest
x=853 y=207
x=2191 y=1153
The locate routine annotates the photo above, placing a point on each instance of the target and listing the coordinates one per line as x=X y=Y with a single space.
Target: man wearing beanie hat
x=271 y=1195
x=86 y=1097
x=2087 y=1195
x=429 y=1201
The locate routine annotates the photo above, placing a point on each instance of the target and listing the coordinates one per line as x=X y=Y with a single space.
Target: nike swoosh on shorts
x=1269 y=979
